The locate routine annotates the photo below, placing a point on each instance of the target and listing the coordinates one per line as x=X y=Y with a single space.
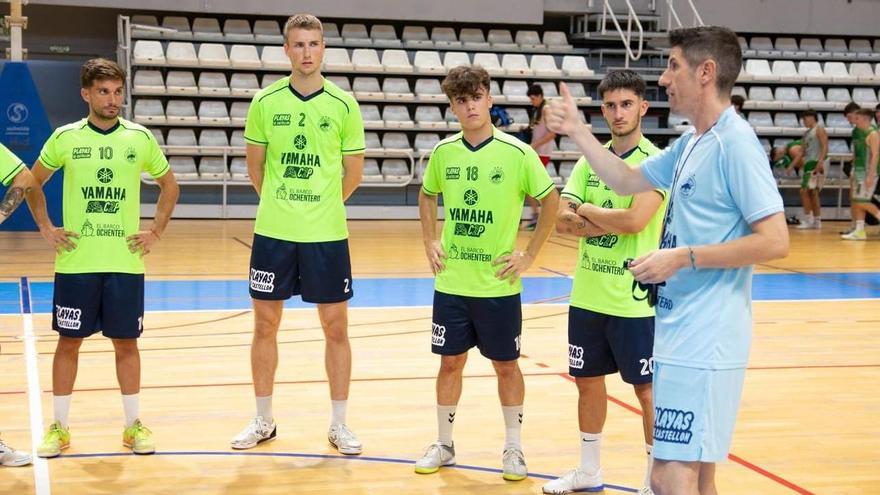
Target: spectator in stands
x=877 y=114
x=542 y=140
x=866 y=161
x=738 y=101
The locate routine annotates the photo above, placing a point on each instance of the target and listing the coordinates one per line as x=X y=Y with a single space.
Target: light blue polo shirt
x=704 y=316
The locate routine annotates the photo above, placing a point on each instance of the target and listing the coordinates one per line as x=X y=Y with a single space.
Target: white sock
x=513 y=417
x=860 y=225
x=808 y=218
x=445 y=422
x=339 y=407
x=61 y=406
x=131 y=405
x=264 y=408
x=591 y=443
x=649 y=449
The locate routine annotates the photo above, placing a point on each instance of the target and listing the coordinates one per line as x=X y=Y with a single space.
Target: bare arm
x=562 y=117
x=256 y=161
x=768 y=241
x=354 y=173
x=823 y=149
x=15 y=195
x=428 y=217
x=169 y=191
x=568 y=221
x=630 y=220
x=59 y=238
x=516 y=263
x=874 y=150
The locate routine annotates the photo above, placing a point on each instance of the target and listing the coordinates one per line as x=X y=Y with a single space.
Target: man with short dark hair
x=483 y=175
x=610 y=324
x=724 y=215
x=99 y=269
x=302 y=133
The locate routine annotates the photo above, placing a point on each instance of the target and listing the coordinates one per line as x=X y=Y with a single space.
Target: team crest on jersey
x=82 y=153
x=300 y=142
x=585 y=260
x=104 y=175
x=453 y=252
x=87 y=229
x=496 y=176
x=608 y=204
x=68 y=318
x=131 y=155
x=438 y=335
x=281 y=192
x=689 y=187
x=471 y=197
x=325 y=124
x=281 y=120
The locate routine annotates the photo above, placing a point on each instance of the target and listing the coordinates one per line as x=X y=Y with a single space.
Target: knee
x=644 y=394
x=591 y=385
x=125 y=347
x=68 y=345
x=506 y=369
x=336 y=333
x=452 y=365
x=266 y=328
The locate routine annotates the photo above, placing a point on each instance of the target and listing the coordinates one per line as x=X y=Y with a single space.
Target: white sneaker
x=344 y=440
x=817 y=225
x=804 y=225
x=514 y=465
x=13 y=458
x=256 y=432
x=646 y=490
x=435 y=456
x=575 y=480
x=855 y=235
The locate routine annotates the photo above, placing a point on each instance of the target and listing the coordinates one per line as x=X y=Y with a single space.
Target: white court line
x=41 y=467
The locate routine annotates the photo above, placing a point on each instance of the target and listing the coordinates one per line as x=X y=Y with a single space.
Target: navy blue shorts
x=493 y=324
x=600 y=344
x=112 y=303
x=319 y=271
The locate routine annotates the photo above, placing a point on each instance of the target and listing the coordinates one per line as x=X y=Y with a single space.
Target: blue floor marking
x=187 y=295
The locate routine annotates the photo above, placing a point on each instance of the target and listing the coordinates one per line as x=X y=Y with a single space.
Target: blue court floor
x=195 y=295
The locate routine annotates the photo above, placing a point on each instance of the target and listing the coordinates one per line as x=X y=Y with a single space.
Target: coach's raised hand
x=561 y=114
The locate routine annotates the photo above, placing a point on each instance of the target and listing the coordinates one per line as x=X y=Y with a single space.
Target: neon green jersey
x=860 y=149
x=483 y=190
x=601 y=284
x=10 y=165
x=102 y=191
x=305 y=139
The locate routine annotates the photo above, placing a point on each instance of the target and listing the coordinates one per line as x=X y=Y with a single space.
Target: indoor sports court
x=806 y=419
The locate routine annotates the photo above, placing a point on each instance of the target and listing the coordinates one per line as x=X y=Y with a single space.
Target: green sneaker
x=139 y=439
x=56 y=440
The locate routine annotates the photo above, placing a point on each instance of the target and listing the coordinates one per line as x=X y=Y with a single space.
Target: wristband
x=693 y=258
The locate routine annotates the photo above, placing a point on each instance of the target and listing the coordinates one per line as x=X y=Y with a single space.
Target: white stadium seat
x=396 y=61
x=495 y=90
x=274 y=58
x=444 y=37
x=183 y=141
x=473 y=39
x=395 y=141
x=148 y=52
x=515 y=64
x=268 y=79
x=812 y=72
x=395 y=170
x=429 y=118
x=416 y=37
x=214 y=112
x=238 y=112
x=149 y=81
x=759 y=70
x=787 y=71
x=212 y=138
x=213 y=83
x=529 y=40
x=146 y=21
x=266 y=31
x=181 y=82
x=355 y=35
x=789 y=98
x=838 y=73
x=544 y=66
x=237 y=31
x=429 y=90
x=366 y=60
x=425 y=141
x=454 y=59
x=576 y=66
x=243 y=84
x=489 y=61
x=814 y=98
x=428 y=62
x=396 y=88
x=515 y=91
x=244 y=57
x=367 y=88
x=500 y=39
x=179 y=25
x=331 y=34
x=213 y=55
x=578 y=93
x=371 y=117
x=335 y=59
x=212 y=168
x=761 y=97
x=206 y=29
x=556 y=41
x=183 y=167
x=371 y=171
x=383 y=36
x=181 y=112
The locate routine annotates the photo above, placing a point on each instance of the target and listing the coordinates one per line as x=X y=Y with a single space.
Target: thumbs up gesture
x=561 y=114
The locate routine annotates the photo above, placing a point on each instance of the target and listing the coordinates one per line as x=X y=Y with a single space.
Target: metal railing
x=673 y=15
x=626 y=38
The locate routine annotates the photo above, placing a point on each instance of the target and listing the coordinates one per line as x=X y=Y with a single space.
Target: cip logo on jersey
x=438 y=335
x=262 y=281
x=575 y=357
x=68 y=318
